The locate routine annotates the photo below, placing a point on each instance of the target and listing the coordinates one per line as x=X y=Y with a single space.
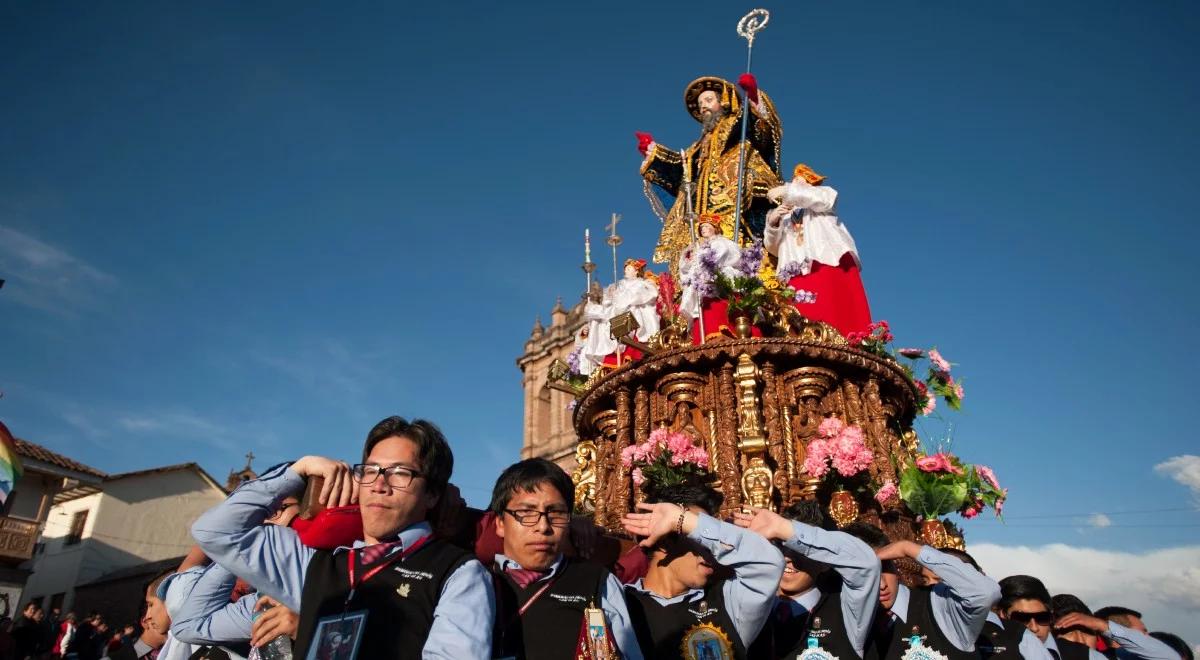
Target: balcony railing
x=17 y=536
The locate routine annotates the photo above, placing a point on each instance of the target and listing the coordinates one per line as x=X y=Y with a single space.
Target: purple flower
x=785 y=274
x=751 y=259
x=708 y=259
x=805 y=297
x=573 y=361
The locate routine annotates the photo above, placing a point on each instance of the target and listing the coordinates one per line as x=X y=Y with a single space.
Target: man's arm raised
x=270 y=557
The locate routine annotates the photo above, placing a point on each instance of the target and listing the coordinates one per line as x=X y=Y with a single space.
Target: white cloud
x=46 y=277
x=1162 y=584
x=1099 y=520
x=1185 y=469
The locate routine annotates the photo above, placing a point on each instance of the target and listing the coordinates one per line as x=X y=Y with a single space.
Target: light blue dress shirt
x=612 y=601
x=1134 y=644
x=960 y=602
x=856 y=564
x=206 y=616
x=757 y=566
x=273 y=559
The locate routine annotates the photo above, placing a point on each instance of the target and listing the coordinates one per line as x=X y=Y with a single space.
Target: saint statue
x=709 y=166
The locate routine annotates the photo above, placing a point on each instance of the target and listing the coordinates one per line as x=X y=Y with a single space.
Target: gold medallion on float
x=704 y=641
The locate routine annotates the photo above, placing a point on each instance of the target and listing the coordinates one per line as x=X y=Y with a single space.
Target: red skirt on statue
x=715 y=312
x=841 y=299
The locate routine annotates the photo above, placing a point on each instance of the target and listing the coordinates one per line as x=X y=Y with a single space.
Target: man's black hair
x=805 y=511
x=1114 y=611
x=437 y=461
x=867 y=533
x=963 y=555
x=1022 y=587
x=705 y=497
x=1176 y=643
x=525 y=477
x=1064 y=604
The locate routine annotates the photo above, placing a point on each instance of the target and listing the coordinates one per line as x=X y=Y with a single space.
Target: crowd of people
x=387 y=568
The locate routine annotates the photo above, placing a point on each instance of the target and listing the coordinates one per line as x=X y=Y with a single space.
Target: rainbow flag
x=10 y=464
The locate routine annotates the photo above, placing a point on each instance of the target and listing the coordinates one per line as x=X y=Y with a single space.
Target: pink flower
x=852 y=434
x=627 y=455
x=855 y=338
x=638 y=478
x=987 y=475
x=958 y=390
x=816 y=463
x=938 y=361
x=830 y=427
x=659 y=436
x=973 y=510
x=912 y=353
x=930 y=401
x=851 y=458
x=1000 y=501
x=939 y=462
x=887 y=492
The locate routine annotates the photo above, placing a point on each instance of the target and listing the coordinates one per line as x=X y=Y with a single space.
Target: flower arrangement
x=745 y=291
x=838 y=450
x=937 y=382
x=934 y=485
x=667 y=459
x=874 y=340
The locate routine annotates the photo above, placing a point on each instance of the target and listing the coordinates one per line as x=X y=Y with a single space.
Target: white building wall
x=54 y=570
x=135 y=520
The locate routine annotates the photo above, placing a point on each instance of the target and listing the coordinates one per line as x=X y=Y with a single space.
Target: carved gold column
x=727 y=439
x=622 y=489
x=757 y=479
x=641 y=415
x=773 y=425
x=605 y=423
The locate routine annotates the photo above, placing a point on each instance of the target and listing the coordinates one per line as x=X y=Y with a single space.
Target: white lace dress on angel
x=821 y=238
x=637 y=295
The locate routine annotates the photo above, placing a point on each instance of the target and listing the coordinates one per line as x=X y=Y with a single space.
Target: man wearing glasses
x=421 y=597
x=542 y=596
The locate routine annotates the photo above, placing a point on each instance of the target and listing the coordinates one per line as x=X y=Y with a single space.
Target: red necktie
x=373 y=553
x=525 y=576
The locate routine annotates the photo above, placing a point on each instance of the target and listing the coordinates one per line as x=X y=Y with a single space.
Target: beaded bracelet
x=679 y=524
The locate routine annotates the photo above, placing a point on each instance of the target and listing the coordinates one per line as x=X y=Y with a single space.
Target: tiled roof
x=40 y=453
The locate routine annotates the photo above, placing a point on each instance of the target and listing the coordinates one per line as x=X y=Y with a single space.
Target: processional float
x=765 y=362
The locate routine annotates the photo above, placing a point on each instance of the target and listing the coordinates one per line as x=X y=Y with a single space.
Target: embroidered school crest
x=813 y=649
x=703 y=610
x=704 y=641
x=402 y=590
x=917 y=649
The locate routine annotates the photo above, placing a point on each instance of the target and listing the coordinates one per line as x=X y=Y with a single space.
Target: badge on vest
x=338 y=636
x=595 y=640
x=703 y=611
x=814 y=650
x=704 y=641
x=917 y=649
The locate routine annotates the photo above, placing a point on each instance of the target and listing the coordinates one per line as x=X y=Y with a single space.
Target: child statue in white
x=638 y=294
x=713 y=253
x=596 y=335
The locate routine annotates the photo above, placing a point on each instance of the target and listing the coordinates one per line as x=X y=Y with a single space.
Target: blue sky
x=231 y=227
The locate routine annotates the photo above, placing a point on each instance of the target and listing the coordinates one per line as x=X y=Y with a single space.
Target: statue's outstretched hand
x=750 y=85
x=645 y=142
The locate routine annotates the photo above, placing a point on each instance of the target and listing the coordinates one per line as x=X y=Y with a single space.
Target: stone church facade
x=548 y=431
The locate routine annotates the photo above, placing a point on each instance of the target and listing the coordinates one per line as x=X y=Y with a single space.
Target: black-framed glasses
x=531 y=517
x=1043 y=618
x=397 y=476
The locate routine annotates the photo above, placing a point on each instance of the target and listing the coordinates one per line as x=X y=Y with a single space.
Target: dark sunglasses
x=1043 y=618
